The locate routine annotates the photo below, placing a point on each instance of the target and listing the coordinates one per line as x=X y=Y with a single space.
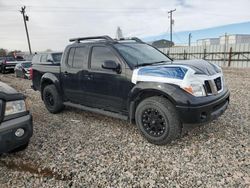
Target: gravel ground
x=82 y=149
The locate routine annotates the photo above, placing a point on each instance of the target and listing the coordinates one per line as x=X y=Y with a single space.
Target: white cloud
x=52 y=23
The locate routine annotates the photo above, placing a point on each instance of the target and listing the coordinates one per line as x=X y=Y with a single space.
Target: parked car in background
x=22 y=69
x=16 y=127
x=47 y=58
x=132 y=80
x=8 y=63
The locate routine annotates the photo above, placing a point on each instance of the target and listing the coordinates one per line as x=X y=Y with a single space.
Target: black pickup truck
x=132 y=80
x=15 y=120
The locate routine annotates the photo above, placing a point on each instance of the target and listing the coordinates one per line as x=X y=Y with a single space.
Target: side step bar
x=96 y=110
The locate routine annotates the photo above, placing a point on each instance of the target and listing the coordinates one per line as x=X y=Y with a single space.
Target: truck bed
x=40 y=69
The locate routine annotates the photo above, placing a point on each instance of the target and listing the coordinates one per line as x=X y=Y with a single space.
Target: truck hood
x=178 y=72
x=4 y=88
x=8 y=93
x=200 y=66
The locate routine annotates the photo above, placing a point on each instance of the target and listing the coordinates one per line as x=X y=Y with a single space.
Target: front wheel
x=157 y=120
x=52 y=99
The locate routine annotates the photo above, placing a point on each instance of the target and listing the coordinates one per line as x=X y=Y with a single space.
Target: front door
x=106 y=89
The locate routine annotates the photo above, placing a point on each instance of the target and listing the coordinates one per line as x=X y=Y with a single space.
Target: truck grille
x=214 y=86
x=218 y=84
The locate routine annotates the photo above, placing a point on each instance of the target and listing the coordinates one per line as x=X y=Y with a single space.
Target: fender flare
x=47 y=79
x=150 y=89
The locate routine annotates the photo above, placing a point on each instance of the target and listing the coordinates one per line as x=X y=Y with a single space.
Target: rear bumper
x=8 y=140
x=204 y=113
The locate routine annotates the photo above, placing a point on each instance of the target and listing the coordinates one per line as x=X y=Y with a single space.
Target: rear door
x=72 y=73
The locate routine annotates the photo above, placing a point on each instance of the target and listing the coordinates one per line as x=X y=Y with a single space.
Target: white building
x=208 y=42
x=235 y=39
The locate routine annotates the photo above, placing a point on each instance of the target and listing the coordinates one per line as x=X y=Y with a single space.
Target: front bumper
x=8 y=140
x=198 y=114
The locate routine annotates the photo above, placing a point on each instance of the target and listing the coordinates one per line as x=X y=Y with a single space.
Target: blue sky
x=214 y=32
x=53 y=22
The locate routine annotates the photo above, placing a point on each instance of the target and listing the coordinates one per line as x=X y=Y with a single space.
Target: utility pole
x=189 y=39
x=26 y=18
x=171 y=23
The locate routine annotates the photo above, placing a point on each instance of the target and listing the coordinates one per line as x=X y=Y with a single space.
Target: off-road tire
x=55 y=103
x=166 y=111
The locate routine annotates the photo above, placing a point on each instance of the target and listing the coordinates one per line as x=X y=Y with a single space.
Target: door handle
x=66 y=73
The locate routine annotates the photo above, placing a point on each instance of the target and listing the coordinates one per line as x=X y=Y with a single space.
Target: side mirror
x=111 y=65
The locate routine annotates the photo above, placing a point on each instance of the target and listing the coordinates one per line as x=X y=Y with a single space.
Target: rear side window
x=71 y=56
x=78 y=57
x=100 y=55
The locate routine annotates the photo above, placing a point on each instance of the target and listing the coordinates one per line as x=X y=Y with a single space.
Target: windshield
x=57 y=57
x=26 y=65
x=137 y=54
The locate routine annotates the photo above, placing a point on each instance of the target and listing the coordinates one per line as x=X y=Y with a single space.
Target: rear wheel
x=157 y=120
x=52 y=99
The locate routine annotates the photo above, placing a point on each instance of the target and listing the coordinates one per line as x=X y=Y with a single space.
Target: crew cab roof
x=103 y=39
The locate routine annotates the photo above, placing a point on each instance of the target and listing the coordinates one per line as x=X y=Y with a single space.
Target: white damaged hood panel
x=176 y=73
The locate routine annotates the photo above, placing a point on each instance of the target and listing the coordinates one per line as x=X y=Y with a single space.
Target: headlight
x=14 y=107
x=195 y=89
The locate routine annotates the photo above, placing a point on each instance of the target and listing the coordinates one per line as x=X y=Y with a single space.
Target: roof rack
x=132 y=38
x=105 y=37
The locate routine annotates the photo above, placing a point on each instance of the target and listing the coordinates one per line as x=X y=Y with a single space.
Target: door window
x=78 y=57
x=71 y=56
x=99 y=56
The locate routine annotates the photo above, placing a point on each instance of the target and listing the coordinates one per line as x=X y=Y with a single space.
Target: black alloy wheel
x=157 y=120
x=154 y=122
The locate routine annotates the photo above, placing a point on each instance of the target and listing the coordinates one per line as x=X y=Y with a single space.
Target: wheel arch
x=48 y=79
x=143 y=94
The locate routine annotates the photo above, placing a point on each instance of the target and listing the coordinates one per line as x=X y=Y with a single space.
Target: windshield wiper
x=146 y=64
x=143 y=64
x=157 y=62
